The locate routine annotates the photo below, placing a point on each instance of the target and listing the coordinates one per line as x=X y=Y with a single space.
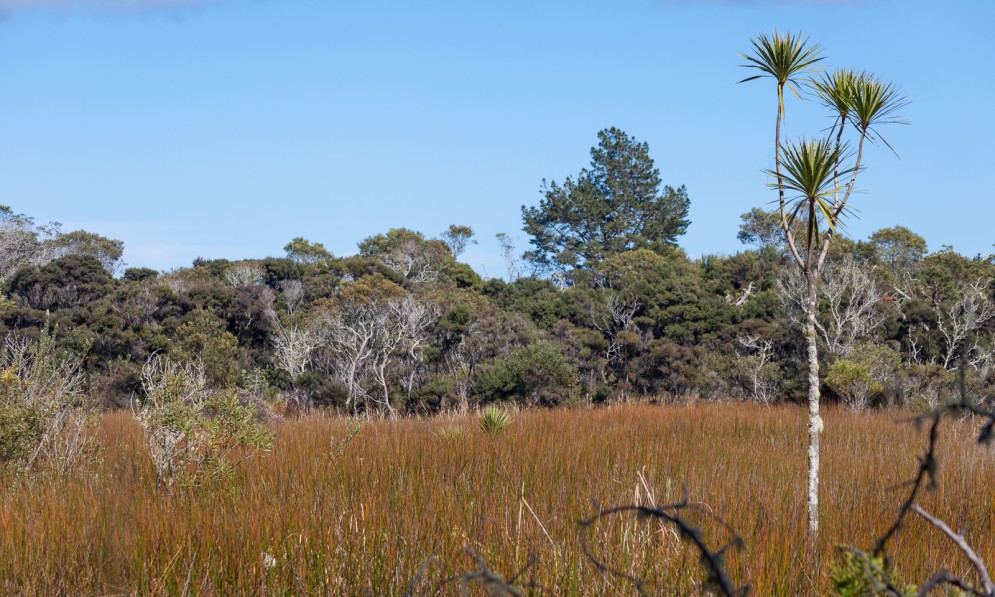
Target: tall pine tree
x=615 y=205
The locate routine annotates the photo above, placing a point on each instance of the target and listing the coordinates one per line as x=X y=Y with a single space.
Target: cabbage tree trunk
x=814 y=418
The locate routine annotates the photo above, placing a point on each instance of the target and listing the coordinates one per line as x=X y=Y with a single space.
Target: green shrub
x=21 y=424
x=436 y=394
x=926 y=386
x=193 y=433
x=203 y=339
x=537 y=373
x=856 y=574
x=851 y=381
x=44 y=416
x=863 y=375
x=494 y=420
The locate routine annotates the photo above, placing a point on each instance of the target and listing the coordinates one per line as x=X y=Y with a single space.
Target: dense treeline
x=612 y=310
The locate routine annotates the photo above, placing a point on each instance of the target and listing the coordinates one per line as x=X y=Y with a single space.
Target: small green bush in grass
x=855 y=574
x=45 y=419
x=494 y=420
x=193 y=432
x=454 y=433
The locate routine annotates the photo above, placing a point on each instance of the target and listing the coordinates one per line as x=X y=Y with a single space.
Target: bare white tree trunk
x=763 y=386
x=244 y=274
x=293 y=347
x=616 y=318
x=413 y=261
x=351 y=337
x=971 y=311
x=814 y=417
x=414 y=318
x=22 y=242
x=508 y=254
x=292 y=295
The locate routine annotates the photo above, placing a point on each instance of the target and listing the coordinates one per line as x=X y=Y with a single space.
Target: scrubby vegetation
x=45 y=419
x=405 y=328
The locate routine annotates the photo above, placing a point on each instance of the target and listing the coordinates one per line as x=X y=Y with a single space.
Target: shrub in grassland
x=45 y=422
x=454 y=433
x=855 y=574
x=494 y=420
x=862 y=376
x=534 y=374
x=20 y=421
x=191 y=431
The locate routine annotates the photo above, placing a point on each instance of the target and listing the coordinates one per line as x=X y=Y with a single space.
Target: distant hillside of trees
x=603 y=307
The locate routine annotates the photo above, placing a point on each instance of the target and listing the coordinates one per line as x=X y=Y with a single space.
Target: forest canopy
x=614 y=309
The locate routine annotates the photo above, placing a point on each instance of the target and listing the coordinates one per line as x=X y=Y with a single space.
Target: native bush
x=45 y=421
x=203 y=338
x=435 y=394
x=191 y=432
x=537 y=373
x=493 y=420
x=859 y=575
x=863 y=375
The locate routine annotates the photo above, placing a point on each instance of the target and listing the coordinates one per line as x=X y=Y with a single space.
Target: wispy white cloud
x=15 y=6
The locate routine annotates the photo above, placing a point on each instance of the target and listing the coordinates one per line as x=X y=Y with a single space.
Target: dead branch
x=717 y=578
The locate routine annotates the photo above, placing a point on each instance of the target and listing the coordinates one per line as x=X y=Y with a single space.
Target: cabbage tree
x=814 y=179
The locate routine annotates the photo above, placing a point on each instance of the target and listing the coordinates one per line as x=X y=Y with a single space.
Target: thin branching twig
x=717 y=579
x=925 y=478
x=493 y=583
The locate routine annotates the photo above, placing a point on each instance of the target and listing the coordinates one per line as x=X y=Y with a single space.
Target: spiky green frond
x=874 y=103
x=783 y=57
x=808 y=170
x=808 y=166
x=836 y=90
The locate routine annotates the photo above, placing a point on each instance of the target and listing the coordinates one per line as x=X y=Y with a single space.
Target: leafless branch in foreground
x=986 y=588
x=717 y=579
x=925 y=478
x=493 y=583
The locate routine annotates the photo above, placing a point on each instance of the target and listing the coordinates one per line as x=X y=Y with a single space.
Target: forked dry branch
x=717 y=579
x=925 y=479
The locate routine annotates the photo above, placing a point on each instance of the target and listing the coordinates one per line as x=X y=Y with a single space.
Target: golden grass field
x=319 y=515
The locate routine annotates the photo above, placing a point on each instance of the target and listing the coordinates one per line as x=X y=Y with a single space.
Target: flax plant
x=493 y=421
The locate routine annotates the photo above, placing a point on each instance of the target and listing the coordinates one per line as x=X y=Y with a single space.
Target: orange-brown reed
x=319 y=516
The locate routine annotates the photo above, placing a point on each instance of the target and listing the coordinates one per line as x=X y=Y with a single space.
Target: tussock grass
x=324 y=516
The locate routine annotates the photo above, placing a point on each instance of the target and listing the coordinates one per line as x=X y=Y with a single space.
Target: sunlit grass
x=337 y=512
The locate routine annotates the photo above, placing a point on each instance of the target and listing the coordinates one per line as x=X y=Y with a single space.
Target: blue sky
x=225 y=128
